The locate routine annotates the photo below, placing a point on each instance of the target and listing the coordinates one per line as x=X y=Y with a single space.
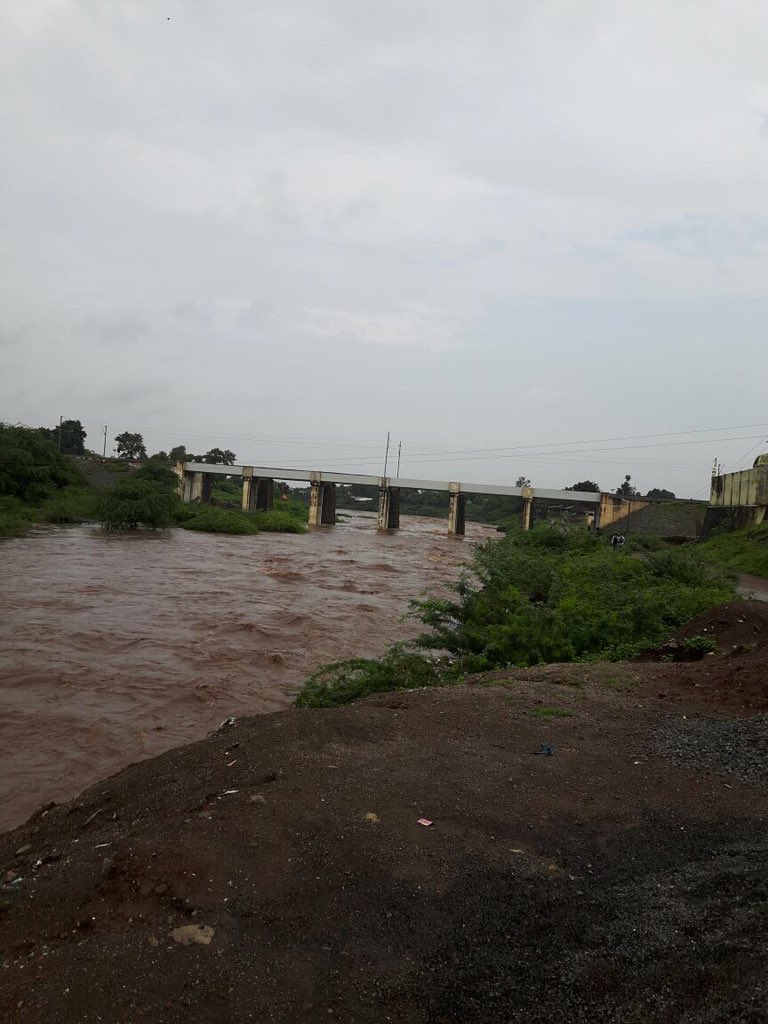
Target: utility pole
x=386 y=455
x=105 y=441
x=61 y=420
x=399 y=449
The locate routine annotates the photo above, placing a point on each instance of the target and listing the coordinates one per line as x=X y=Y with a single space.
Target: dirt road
x=755 y=587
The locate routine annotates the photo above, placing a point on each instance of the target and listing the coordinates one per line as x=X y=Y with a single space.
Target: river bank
x=564 y=845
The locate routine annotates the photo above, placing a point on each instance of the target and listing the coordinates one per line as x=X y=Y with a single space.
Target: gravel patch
x=726 y=746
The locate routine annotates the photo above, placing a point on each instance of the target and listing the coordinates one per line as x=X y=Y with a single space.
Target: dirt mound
x=738 y=624
x=480 y=855
x=728 y=649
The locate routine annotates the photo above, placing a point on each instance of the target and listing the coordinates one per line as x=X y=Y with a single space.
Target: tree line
x=69 y=437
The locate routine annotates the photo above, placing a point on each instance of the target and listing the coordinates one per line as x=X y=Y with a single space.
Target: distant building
x=738 y=500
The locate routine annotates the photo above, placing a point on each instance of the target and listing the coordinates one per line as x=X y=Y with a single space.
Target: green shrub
x=546 y=595
x=698 y=645
x=279 y=521
x=345 y=681
x=136 y=501
x=208 y=519
x=31 y=466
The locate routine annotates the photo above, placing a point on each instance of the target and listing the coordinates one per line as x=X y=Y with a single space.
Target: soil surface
x=595 y=852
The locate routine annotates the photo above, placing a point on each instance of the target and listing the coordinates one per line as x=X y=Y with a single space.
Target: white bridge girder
x=315 y=476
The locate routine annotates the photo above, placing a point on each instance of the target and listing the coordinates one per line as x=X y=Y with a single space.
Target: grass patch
x=77 y=505
x=553 y=712
x=742 y=550
x=15 y=517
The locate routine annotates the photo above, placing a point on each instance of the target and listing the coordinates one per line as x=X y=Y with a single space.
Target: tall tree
x=660 y=492
x=69 y=436
x=626 y=490
x=584 y=485
x=522 y=481
x=130 y=447
x=218 y=457
x=178 y=454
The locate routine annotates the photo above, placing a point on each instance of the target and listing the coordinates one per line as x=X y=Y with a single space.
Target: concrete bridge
x=196 y=483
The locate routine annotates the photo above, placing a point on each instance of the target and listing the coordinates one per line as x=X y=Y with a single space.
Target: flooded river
x=116 y=647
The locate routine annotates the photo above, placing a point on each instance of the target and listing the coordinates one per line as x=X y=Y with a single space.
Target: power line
x=497 y=454
x=373 y=444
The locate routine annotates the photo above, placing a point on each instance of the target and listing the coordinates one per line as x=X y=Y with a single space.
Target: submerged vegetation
x=549 y=595
x=148 y=498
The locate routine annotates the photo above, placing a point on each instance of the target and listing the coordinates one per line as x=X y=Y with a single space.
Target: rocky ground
x=566 y=844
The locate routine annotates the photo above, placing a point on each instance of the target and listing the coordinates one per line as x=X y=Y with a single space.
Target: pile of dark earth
x=281 y=869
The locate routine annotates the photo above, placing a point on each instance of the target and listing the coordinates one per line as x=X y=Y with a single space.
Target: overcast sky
x=288 y=227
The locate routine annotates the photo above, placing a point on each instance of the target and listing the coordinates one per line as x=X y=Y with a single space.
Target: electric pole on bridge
x=386 y=455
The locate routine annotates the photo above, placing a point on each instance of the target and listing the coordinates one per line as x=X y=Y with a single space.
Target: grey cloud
x=547 y=216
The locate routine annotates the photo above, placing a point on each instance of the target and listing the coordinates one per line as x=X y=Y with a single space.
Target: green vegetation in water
x=206 y=519
x=148 y=498
x=548 y=595
x=145 y=498
x=742 y=550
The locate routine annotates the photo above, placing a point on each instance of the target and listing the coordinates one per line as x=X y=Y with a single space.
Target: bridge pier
x=194 y=487
x=258 y=491
x=199 y=487
x=457 y=512
x=389 y=508
x=322 y=503
x=527 y=507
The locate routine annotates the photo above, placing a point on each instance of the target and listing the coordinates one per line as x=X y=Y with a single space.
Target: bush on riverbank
x=549 y=595
x=31 y=466
x=346 y=681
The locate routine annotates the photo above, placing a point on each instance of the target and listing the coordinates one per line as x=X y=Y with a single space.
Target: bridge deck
x=311 y=476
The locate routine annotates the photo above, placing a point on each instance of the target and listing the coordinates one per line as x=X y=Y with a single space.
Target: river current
x=115 y=647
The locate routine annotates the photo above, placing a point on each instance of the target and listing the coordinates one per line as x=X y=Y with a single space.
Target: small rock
x=257 y=798
x=189 y=934
x=161 y=889
x=23 y=849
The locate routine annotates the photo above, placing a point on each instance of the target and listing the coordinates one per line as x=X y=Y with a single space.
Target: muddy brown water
x=114 y=648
